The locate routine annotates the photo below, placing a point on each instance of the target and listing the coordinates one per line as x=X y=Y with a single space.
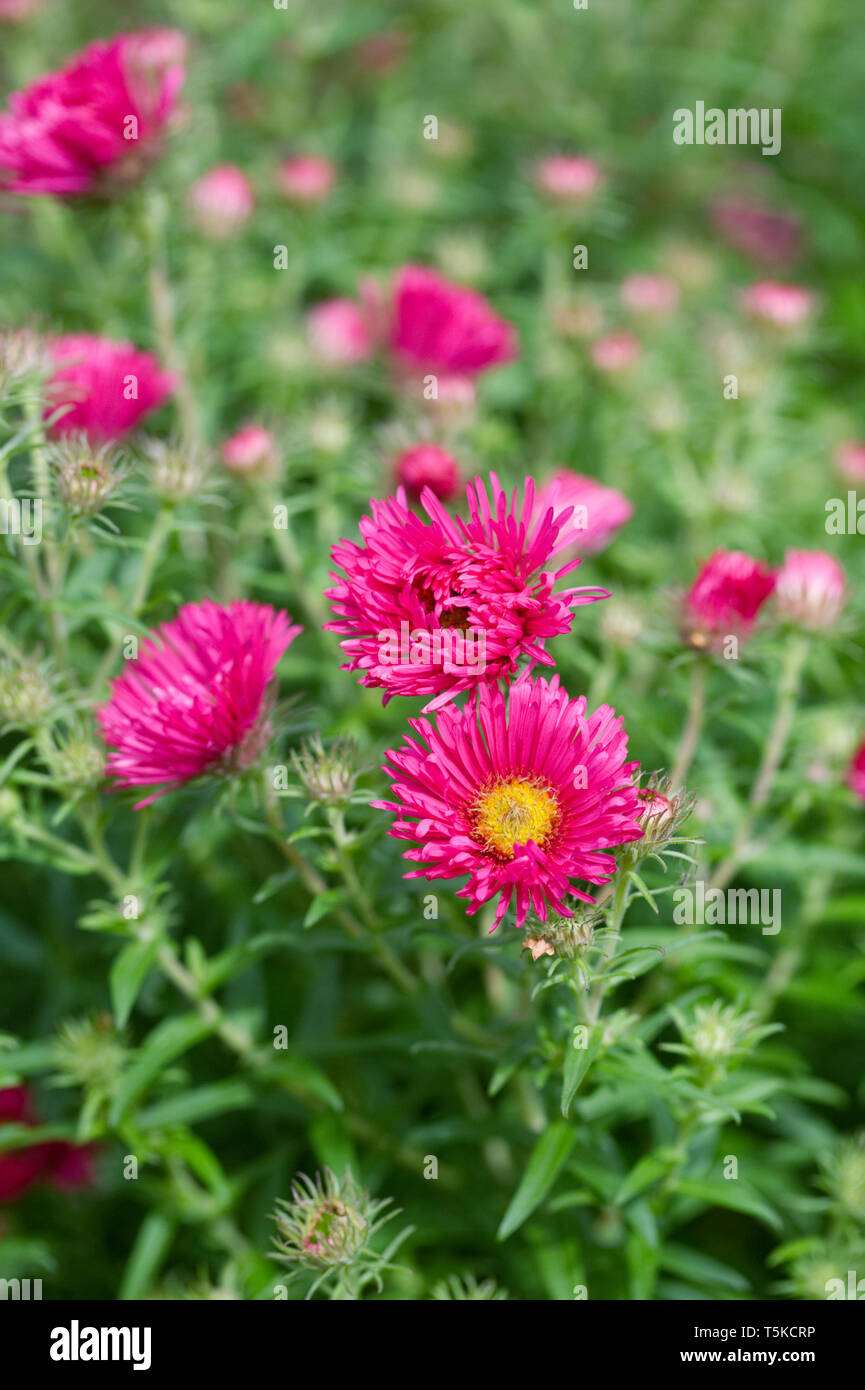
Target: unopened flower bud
x=328 y=774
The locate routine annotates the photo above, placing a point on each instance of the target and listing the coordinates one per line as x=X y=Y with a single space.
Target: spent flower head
x=327 y=1225
x=26 y=692
x=89 y=1053
x=85 y=475
x=327 y=773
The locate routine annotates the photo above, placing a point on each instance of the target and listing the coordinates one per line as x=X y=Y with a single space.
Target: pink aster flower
x=726 y=597
x=433 y=607
x=306 y=178
x=427 y=465
x=251 y=450
x=436 y=326
x=856 y=772
x=616 y=352
x=97 y=123
x=59 y=1163
x=221 y=201
x=650 y=294
x=109 y=385
x=781 y=306
x=523 y=795
x=772 y=238
x=198 y=697
x=597 y=512
x=810 y=588
x=339 y=332
x=850 y=461
x=567 y=178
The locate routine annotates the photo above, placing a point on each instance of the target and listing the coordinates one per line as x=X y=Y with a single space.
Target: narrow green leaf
x=167 y=1041
x=576 y=1064
x=547 y=1159
x=128 y=973
x=731 y=1194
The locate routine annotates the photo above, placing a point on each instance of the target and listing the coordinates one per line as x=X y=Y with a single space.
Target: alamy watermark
x=736 y=126
x=21 y=516
x=461 y=648
x=700 y=906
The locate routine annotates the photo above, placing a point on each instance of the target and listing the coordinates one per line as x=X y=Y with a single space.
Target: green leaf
x=701 y=1269
x=154 y=1237
x=167 y=1041
x=644 y=1174
x=324 y=903
x=732 y=1194
x=577 y=1063
x=128 y=973
x=200 y=1103
x=304 y=1079
x=547 y=1159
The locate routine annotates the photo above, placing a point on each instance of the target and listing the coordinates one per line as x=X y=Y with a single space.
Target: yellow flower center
x=514 y=811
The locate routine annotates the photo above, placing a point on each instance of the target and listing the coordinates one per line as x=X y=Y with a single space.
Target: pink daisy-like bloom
x=198 y=697
x=567 y=178
x=615 y=353
x=59 y=1163
x=306 y=178
x=850 y=461
x=810 y=588
x=781 y=306
x=221 y=201
x=339 y=332
x=772 y=238
x=856 y=772
x=251 y=450
x=97 y=123
x=597 y=512
x=436 y=326
x=432 y=607
x=650 y=294
x=523 y=794
x=726 y=597
x=109 y=386
x=428 y=465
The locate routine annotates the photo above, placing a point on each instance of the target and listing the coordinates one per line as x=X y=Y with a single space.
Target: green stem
x=693 y=725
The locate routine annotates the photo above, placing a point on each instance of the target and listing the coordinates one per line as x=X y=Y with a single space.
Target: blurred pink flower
x=486 y=580
x=598 y=511
x=650 y=294
x=96 y=124
x=850 y=461
x=567 y=178
x=221 y=201
x=436 y=326
x=18 y=9
x=58 y=1162
x=725 y=598
x=856 y=772
x=251 y=450
x=783 y=306
x=340 y=333
x=616 y=352
x=306 y=178
x=427 y=465
x=523 y=794
x=771 y=238
x=198 y=697
x=110 y=386
x=810 y=588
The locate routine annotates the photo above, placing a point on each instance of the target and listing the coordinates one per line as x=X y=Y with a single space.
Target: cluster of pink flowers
x=57 y=1162
x=730 y=590
x=426 y=325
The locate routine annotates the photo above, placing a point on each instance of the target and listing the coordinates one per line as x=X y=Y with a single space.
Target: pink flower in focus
x=850 y=461
x=725 y=598
x=60 y=1163
x=251 y=450
x=306 y=178
x=109 y=385
x=475 y=597
x=650 y=294
x=615 y=353
x=198 y=697
x=437 y=326
x=97 y=123
x=782 y=306
x=856 y=772
x=567 y=178
x=339 y=333
x=522 y=795
x=221 y=201
x=428 y=465
x=598 y=511
x=772 y=238
x=810 y=588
